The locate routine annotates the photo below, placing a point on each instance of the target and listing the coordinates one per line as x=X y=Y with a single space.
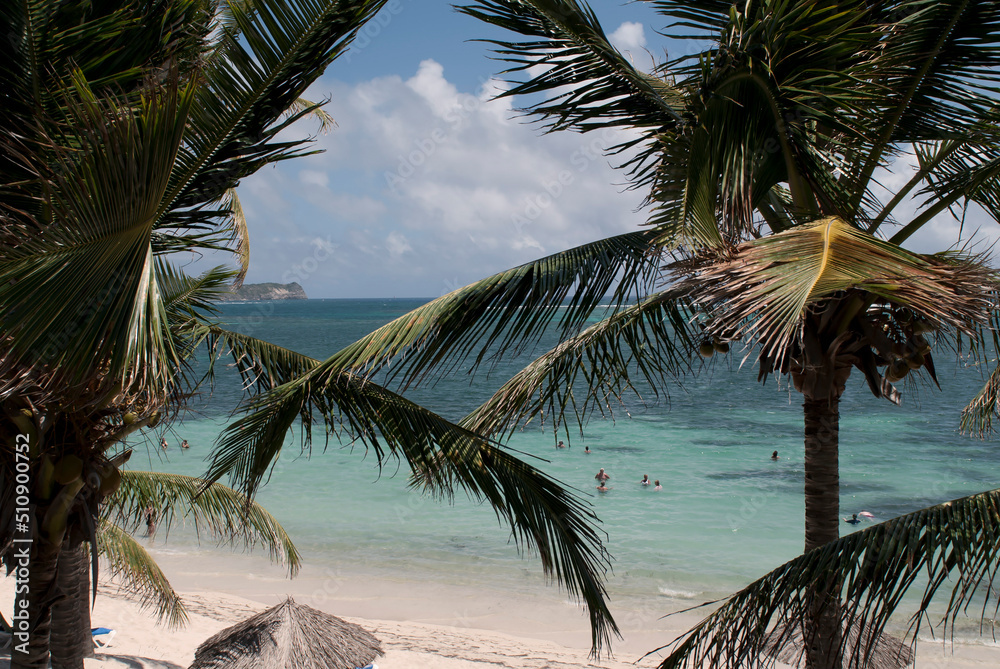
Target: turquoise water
x=726 y=515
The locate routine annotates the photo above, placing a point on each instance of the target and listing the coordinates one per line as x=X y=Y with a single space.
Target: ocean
x=726 y=515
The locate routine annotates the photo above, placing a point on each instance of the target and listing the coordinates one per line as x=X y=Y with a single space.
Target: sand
x=421 y=626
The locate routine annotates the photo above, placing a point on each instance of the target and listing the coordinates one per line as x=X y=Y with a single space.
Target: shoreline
x=421 y=625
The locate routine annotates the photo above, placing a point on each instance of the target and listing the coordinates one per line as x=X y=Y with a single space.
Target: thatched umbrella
x=289 y=636
x=786 y=645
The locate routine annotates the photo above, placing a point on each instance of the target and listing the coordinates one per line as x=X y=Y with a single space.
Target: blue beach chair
x=102 y=636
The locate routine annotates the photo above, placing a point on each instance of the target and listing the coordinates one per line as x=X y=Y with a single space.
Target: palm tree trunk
x=71 y=639
x=41 y=587
x=822 y=492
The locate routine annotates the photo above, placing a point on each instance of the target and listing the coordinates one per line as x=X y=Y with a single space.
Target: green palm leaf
x=225 y=514
x=508 y=311
x=263 y=366
x=585 y=83
x=83 y=296
x=940 y=68
x=442 y=457
x=978 y=414
x=953 y=546
x=651 y=340
x=139 y=573
x=256 y=74
x=240 y=234
x=956 y=174
x=185 y=297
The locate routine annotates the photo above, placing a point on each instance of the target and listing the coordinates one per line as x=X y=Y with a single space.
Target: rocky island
x=255 y=292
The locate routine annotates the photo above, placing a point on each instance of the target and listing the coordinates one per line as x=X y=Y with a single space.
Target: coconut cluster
x=710 y=347
x=909 y=354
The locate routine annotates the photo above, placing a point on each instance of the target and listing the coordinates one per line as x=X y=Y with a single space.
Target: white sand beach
x=420 y=626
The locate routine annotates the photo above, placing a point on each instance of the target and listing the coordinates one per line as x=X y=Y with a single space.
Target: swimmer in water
x=601 y=476
x=774 y=456
x=586 y=449
x=645 y=480
x=560 y=444
x=602 y=488
x=658 y=486
x=853 y=520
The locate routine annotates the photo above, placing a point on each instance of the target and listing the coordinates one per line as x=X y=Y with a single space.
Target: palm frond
x=185 y=296
x=585 y=83
x=940 y=68
x=139 y=573
x=240 y=234
x=254 y=77
x=226 y=515
x=956 y=174
x=509 y=311
x=263 y=366
x=762 y=293
x=655 y=337
x=83 y=296
x=442 y=457
x=978 y=414
x=326 y=122
x=953 y=546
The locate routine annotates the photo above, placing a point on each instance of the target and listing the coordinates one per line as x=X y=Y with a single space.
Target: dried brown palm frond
x=827 y=293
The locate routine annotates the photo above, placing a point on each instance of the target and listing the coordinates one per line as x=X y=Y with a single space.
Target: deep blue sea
x=727 y=514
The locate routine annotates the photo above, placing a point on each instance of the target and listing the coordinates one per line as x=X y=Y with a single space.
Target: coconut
x=897 y=370
x=706 y=349
x=67 y=470
x=721 y=346
x=111 y=482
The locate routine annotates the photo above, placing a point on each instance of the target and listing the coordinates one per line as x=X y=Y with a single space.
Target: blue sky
x=427 y=183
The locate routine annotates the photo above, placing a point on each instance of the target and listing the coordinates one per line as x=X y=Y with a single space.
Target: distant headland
x=253 y=292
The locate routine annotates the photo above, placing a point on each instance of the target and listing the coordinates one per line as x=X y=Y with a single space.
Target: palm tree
x=952 y=543
x=223 y=514
x=769 y=229
x=127 y=126
x=761 y=154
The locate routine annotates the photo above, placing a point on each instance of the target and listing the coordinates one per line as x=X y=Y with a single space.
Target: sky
x=428 y=183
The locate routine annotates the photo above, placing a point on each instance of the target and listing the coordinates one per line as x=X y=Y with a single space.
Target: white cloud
x=944 y=231
x=423 y=185
x=397 y=244
x=314 y=178
x=429 y=83
x=629 y=36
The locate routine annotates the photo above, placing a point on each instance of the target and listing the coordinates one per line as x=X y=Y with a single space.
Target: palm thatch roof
x=787 y=645
x=289 y=636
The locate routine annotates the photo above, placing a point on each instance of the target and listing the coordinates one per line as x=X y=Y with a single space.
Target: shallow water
x=727 y=514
